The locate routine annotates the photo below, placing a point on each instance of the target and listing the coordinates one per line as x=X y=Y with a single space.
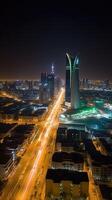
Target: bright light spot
x=77 y=61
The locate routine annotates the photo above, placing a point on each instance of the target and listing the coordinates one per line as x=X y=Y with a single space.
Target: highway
x=33 y=165
x=5 y=94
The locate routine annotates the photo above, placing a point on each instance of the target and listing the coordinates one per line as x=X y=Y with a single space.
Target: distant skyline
x=33 y=36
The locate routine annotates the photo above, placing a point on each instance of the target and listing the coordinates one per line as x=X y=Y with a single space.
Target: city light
x=55 y=100
x=37 y=150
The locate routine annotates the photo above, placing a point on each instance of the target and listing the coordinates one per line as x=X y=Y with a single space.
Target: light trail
x=32 y=173
x=19 y=186
x=35 y=165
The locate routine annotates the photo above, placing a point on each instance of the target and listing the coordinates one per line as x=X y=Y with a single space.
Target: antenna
x=52 y=69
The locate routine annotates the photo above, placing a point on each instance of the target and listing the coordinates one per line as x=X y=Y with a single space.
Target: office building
x=67 y=83
x=50 y=82
x=43 y=78
x=72 y=81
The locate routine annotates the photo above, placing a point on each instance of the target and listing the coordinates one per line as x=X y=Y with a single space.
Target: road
x=33 y=165
x=93 y=190
x=40 y=182
x=99 y=146
x=6 y=94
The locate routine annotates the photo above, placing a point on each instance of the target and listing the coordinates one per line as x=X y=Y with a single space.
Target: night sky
x=33 y=36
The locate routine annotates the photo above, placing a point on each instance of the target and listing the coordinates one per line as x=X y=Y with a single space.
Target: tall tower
x=72 y=81
x=43 y=78
x=75 y=97
x=67 y=84
x=50 y=82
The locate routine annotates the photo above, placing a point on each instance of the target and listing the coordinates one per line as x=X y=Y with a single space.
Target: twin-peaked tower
x=72 y=81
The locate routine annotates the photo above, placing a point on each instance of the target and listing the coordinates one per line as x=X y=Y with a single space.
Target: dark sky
x=34 y=35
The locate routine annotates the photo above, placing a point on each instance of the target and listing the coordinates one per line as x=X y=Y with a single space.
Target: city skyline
x=55 y=135
x=33 y=36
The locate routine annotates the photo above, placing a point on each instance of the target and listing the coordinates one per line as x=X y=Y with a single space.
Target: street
x=21 y=184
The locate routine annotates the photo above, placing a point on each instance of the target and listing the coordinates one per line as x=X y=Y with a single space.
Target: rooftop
x=64 y=156
x=57 y=175
x=106 y=192
x=96 y=156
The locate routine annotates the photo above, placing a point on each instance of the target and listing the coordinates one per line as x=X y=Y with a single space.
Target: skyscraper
x=43 y=90
x=58 y=84
x=67 y=84
x=46 y=88
x=43 y=94
x=75 y=97
x=43 y=78
x=72 y=81
x=50 y=82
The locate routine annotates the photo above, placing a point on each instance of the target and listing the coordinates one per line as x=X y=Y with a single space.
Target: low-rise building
x=100 y=164
x=71 y=161
x=6 y=165
x=105 y=192
x=62 y=183
x=13 y=146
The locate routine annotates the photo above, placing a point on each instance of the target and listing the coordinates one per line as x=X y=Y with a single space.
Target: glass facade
x=67 y=84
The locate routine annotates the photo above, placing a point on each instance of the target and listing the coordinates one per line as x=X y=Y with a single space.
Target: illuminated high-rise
x=67 y=84
x=72 y=81
x=50 y=82
x=75 y=97
x=43 y=78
